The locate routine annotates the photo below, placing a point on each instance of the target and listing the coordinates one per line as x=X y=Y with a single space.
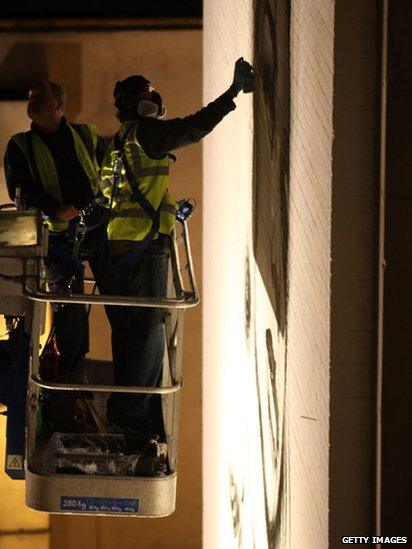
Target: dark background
x=101 y=9
x=397 y=362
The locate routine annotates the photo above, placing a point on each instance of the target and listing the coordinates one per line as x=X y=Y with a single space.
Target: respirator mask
x=152 y=108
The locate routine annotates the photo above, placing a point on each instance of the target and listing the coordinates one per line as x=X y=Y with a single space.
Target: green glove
x=243 y=78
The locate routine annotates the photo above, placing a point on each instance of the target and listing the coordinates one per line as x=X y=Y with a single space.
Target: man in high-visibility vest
x=55 y=165
x=135 y=177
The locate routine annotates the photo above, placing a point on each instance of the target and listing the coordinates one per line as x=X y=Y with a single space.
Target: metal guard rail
x=105 y=388
x=188 y=299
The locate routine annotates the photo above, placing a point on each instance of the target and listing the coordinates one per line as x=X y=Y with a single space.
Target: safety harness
x=136 y=196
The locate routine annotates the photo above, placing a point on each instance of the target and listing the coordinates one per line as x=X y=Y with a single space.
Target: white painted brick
x=331 y=162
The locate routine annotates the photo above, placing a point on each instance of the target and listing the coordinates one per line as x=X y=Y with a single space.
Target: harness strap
x=137 y=195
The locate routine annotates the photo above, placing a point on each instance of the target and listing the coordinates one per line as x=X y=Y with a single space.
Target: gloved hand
x=243 y=78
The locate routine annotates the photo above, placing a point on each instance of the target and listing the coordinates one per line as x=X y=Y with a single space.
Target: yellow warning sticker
x=14 y=462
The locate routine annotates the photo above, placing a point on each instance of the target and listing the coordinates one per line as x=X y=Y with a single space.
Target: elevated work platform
x=106 y=472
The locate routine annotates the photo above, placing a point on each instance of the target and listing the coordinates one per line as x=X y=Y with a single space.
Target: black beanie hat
x=133 y=85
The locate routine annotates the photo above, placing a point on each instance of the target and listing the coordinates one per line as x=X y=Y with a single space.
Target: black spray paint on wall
x=271 y=148
x=270 y=216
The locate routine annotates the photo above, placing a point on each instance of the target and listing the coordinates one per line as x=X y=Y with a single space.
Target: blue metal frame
x=13 y=393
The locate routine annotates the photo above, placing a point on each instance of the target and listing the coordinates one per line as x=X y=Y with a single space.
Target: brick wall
x=322 y=374
x=227 y=218
x=303 y=510
x=312 y=35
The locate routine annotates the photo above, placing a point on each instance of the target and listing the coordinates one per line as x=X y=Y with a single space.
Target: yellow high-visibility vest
x=47 y=167
x=128 y=220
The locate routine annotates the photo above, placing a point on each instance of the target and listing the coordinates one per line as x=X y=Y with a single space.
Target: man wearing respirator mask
x=135 y=178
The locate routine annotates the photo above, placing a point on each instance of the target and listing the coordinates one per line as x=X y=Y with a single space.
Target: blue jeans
x=138 y=339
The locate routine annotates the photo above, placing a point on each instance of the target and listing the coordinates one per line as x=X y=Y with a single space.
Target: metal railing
x=104 y=388
x=187 y=298
x=184 y=299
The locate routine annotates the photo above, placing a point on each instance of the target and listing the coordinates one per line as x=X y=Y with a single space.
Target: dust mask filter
x=148 y=109
x=152 y=108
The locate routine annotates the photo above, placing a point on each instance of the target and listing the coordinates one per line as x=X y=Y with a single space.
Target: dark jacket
x=158 y=137
x=74 y=184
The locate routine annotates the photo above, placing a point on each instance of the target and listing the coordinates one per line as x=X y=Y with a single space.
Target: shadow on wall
x=271 y=149
x=270 y=224
x=26 y=62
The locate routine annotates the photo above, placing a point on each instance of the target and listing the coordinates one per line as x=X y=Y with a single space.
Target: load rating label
x=98 y=505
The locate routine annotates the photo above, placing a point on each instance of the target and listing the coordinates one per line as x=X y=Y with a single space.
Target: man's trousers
x=138 y=340
x=70 y=320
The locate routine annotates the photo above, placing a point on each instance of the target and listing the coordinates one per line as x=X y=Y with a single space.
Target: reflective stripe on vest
x=47 y=167
x=128 y=220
